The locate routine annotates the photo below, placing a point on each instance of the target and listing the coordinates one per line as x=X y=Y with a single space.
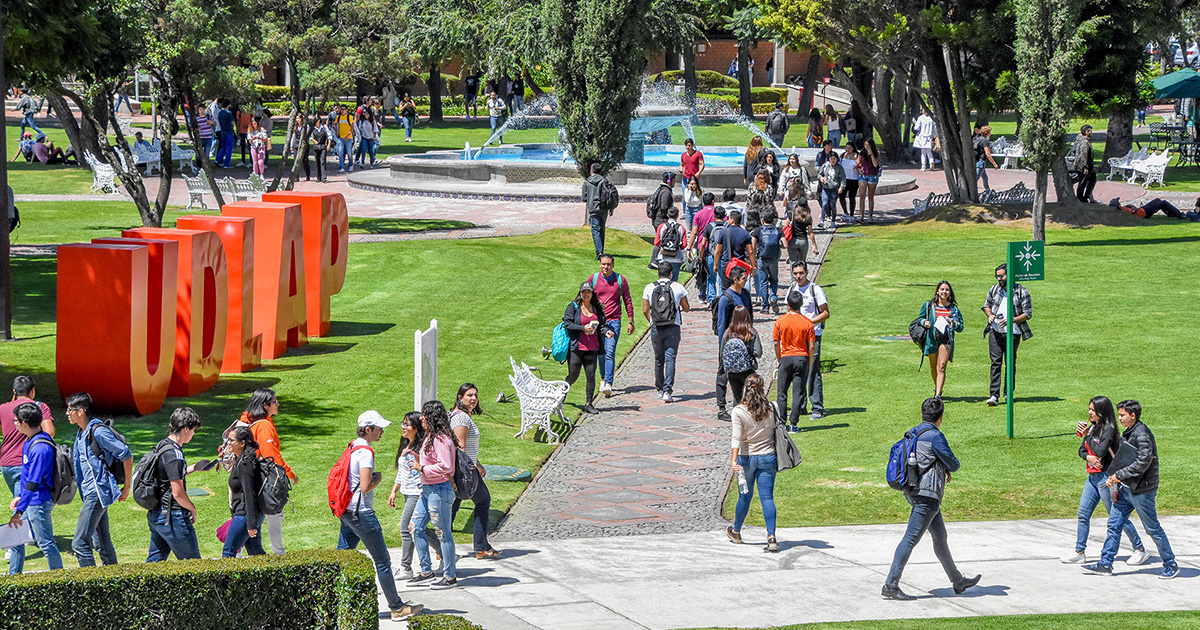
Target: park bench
x=1152 y=169
x=1119 y=167
x=185 y=158
x=197 y=187
x=1158 y=132
x=242 y=190
x=540 y=400
x=1012 y=152
x=932 y=201
x=1017 y=194
x=125 y=124
x=103 y=175
x=147 y=158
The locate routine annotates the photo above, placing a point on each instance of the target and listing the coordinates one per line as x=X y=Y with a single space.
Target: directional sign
x=1027 y=261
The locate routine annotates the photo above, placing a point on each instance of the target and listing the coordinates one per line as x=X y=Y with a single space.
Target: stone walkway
x=643 y=466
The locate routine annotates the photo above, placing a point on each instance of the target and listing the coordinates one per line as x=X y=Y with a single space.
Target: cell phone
x=205 y=465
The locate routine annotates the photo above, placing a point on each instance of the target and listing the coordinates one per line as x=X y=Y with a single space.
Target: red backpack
x=338 y=484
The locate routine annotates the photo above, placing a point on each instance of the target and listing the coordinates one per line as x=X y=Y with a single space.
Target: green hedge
x=273 y=92
x=759 y=108
x=304 y=589
x=706 y=80
x=757 y=95
x=441 y=622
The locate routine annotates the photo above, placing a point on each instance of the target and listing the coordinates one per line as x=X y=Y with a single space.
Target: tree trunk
x=435 y=93
x=809 y=90
x=1064 y=188
x=1118 y=140
x=6 y=302
x=167 y=103
x=958 y=157
x=690 y=85
x=537 y=89
x=743 y=77
x=97 y=112
x=1039 y=206
x=81 y=139
x=881 y=111
x=193 y=127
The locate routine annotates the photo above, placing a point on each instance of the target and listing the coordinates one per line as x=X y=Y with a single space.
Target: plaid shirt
x=1022 y=303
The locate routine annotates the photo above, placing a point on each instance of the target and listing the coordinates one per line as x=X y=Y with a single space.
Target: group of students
x=852 y=125
x=223 y=126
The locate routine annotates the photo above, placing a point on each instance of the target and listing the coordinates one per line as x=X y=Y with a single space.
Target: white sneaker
x=993 y=401
x=400 y=573
x=667 y=397
x=1139 y=556
x=606 y=389
x=1075 y=557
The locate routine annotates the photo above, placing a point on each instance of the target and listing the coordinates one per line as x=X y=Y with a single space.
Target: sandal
x=490 y=554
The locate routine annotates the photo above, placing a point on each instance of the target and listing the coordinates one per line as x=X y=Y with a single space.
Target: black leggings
x=585 y=359
x=850 y=192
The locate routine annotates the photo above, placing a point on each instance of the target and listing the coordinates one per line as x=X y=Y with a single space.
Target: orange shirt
x=244 y=119
x=268 y=441
x=794 y=332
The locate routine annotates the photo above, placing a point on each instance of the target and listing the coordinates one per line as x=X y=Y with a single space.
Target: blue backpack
x=560 y=343
x=902 y=471
x=768 y=239
x=735 y=356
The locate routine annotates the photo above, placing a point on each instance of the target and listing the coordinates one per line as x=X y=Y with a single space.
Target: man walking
x=711 y=235
x=613 y=290
x=1084 y=166
x=657 y=208
x=496 y=109
x=691 y=162
x=671 y=243
x=227 y=126
x=794 y=338
x=96 y=447
x=600 y=199
x=37 y=480
x=816 y=309
x=995 y=307
x=14 y=440
x=663 y=303
x=734 y=243
x=735 y=295
x=28 y=108
x=343 y=138
x=1137 y=487
x=471 y=95
x=173 y=521
x=935 y=463
x=777 y=125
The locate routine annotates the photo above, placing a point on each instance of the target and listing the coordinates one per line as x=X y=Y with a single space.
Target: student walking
x=794 y=344
x=754 y=459
x=586 y=325
x=298 y=148
x=612 y=289
x=848 y=199
x=24 y=391
x=37 y=480
x=868 y=175
x=658 y=208
x=815 y=132
x=777 y=125
x=740 y=351
x=935 y=463
x=833 y=125
x=1084 y=165
x=995 y=307
x=408 y=486
x=768 y=238
x=466 y=433
x=792 y=172
x=751 y=160
x=344 y=138
x=260 y=144
x=833 y=183
x=663 y=303
x=28 y=108
x=173 y=522
x=600 y=200
x=1100 y=444
x=369 y=129
x=96 y=448
x=228 y=127
x=671 y=243
x=691 y=164
x=735 y=249
x=732 y=297
x=925 y=130
x=259 y=417
x=320 y=141
x=816 y=309
x=693 y=201
x=408 y=116
x=244 y=482
x=496 y=109
x=982 y=145
x=435 y=462
x=941 y=318
x=710 y=235
x=802 y=227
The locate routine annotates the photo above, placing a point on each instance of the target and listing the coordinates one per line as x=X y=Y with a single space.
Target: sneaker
x=993 y=401
x=422 y=579
x=722 y=415
x=1169 y=572
x=793 y=428
x=406 y=611
x=351 y=169
x=589 y=408
x=408 y=139
x=734 y=537
x=816 y=415
x=652 y=267
x=1075 y=557
x=766 y=309
x=402 y=573
x=966 y=584
x=606 y=389
x=1139 y=556
x=772 y=545
x=896 y=594
x=342 y=170
x=666 y=397
x=1097 y=569
x=444 y=584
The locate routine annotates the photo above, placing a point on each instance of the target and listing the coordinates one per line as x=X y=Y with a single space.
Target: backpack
x=608 y=195
x=716 y=311
x=902 y=470
x=14 y=217
x=918 y=332
x=560 y=343
x=714 y=237
x=620 y=283
x=275 y=488
x=465 y=477
x=62 y=489
x=146 y=490
x=775 y=122
x=337 y=487
x=662 y=304
x=117 y=467
x=671 y=240
x=768 y=240
x=735 y=356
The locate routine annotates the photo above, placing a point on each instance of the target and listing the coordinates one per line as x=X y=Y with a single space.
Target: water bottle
x=743 y=487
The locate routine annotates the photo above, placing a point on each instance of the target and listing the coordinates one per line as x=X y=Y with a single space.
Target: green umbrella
x=1182 y=84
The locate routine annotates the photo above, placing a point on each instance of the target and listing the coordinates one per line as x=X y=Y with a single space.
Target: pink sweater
x=438 y=461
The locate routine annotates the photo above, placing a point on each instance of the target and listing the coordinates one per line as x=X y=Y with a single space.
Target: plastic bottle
x=743 y=486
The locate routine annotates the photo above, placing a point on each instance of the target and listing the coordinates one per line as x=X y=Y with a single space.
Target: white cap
x=372 y=418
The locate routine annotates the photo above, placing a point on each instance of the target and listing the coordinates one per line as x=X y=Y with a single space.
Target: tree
x=746 y=23
x=434 y=31
x=595 y=52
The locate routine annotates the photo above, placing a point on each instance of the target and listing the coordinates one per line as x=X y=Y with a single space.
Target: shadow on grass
x=1042 y=437
x=357 y=329
x=1106 y=242
x=825 y=427
x=836 y=411
x=371 y=225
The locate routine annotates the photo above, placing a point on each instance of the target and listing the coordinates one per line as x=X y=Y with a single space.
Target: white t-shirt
x=362 y=458
x=814 y=298
x=460 y=418
x=677 y=292
x=407 y=475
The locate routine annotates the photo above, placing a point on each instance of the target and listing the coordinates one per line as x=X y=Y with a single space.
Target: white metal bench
x=1119 y=167
x=540 y=400
x=147 y=158
x=103 y=175
x=1017 y=194
x=197 y=187
x=242 y=189
x=1012 y=152
x=185 y=158
x=932 y=201
x=1152 y=169
x=125 y=124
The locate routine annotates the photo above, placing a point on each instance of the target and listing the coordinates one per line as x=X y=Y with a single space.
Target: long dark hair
x=257 y=407
x=740 y=326
x=755 y=399
x=1106 y=418
x=414 y=419
x=953 y=302
x=439 y=424
x=462 y=390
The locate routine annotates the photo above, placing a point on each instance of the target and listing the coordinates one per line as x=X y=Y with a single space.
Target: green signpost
x=1026 y=263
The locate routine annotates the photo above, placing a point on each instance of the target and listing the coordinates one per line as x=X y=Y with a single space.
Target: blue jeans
x=342 y=148
x=759 y=469
x=598 y=223
x=367 y=148
x=171 y=532
x=225 y=153
x=665 y=342
x=610 y=350
x=768 y=280
x=496 y=124
x=926 y=515
x=829 y=199
x=207 y=144
x=1126 y=503
x=675 y=267
x=711 y=290
x=238 y=536
x=91 y=532
x=43 y=534
x=436 y=500
x=12 y=479
x=407 y=122
x=835 y=136
x=1093 y=493
x=981 y=173
x=27 y=121
x=518 y=102
x=689 y=213
x=364 y=525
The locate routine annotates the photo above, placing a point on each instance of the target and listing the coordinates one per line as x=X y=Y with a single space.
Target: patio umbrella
x=1182 y=84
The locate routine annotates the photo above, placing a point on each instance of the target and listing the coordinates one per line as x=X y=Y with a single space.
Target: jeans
x=12 y=479
x=171 y=532
x=225 y=152
x=406 y=535
x=777 y=138
x=42 y=525
x=518 y=102
x=768 y=280
x=91 y=532
x=835 y=136
x=244 y=143
x=239 y=536
x=598 y=223
x=997 y=350
x=364 y=525
x=27 y=121
x=829 y=197
x=689 y=213
x=926 y=515
x=816 y=393
x=610 y=350
x=495 y=120
x=342 y=148
x=760 y=470
x=711 y=292
x=407 y=122
x=1126 y=503
x=207 y=143
x=431 y=508
x=792 y=370
x=1094 y=493
x=981 y=173
x=665 y=341
x=479 y=516
x=367 y=149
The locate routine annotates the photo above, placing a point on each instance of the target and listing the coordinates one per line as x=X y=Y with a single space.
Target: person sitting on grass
x=24 y=148
x=1150 y=208
x=45 y=152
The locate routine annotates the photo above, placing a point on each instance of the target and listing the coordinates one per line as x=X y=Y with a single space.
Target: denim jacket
x=91 y=473
x=935 y=459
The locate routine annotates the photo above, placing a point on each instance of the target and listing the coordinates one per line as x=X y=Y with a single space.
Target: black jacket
x=1142 y=475
x=591 y=194
x=660 y=203
x=244 y=482
x=573 y=317
x=1101 y=445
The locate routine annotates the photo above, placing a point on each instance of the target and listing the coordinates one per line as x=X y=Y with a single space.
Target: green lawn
x=391 y=290
x=1170 y=620
x=1113 y=317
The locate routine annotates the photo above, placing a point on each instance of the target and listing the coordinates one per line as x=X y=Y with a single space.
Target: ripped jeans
x=435 y=504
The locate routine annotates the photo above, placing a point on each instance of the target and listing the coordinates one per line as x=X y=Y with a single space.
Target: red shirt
x=691 y=163
x=589 y=342
x=611 y=296
x=14 y=440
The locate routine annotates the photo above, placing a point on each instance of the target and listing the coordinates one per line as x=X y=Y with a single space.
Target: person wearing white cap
x=359 y=522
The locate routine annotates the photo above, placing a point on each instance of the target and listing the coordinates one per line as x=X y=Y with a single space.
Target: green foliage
x=758 y=94
x=273 y=92
x=441 y=622
x=706 y=80
x=1049 y=44
x=734 y=103
x=304 y=589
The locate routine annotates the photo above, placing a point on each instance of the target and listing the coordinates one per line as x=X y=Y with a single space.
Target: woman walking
x=244 y=482
x=754 y=461
x=693 y=201
x=368 y=133
x=815 y=135
x=770 y=165
x=942 y=319
x=833 y=124
x=584 y=319
x=750 y=161
x=466 y=433
x=435 y=462
x=868 y=173
x=299 y=146
x=802 y=227
x=1101 y=439
x=850 y=194
x=833 y=183
x=408 y=116
x=740 y=351
x=259 y=417
x=260 y=143
x=408 y=485
x=759 y=199
x=792 y=171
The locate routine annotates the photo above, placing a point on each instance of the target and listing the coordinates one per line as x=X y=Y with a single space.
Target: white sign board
x=425 y=371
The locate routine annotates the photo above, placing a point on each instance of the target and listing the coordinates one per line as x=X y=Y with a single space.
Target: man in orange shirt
x=794 y=338
x=243 y=127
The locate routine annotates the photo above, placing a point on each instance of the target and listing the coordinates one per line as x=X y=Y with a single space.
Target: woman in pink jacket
x=436 y=457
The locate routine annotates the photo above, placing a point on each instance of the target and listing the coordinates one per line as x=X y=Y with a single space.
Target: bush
x=757 y=95
x=147 y=108
x=706 y=80
x=273 y=92
x=304 y=589
x=441 y=622
x=759 y=108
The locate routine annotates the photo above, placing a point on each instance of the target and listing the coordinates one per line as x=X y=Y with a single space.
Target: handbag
x=787 y=456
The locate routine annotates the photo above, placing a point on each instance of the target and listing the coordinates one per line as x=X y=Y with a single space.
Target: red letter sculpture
x=325 y=240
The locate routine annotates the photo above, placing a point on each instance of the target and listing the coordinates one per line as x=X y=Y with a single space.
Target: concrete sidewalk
x=820 y=574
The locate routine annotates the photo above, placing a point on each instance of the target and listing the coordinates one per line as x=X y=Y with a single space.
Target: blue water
x=654 y=158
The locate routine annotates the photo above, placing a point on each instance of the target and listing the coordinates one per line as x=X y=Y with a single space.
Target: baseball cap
x=372 y=418
x=586 y=286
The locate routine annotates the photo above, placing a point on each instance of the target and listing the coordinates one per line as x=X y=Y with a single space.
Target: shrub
x=305 y=589
x=441 y=622
x=757 y=95
x=706 y=80
x=273 y=92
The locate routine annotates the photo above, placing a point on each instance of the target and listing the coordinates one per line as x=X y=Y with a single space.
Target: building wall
x=717 y=54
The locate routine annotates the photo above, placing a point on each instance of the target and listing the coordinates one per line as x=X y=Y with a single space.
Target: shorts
x=869 y=179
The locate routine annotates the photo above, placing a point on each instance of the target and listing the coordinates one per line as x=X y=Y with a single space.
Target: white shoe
x=408 y=139
x=400 y=573
x=606 y=389
x=1075 y=557
x=993 y=401
x=667 y=397
x=1139 y=556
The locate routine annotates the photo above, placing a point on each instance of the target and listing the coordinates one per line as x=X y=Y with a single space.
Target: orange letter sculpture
x=116 y=323
x=201 y=309
x=279 y=313
x=325 y=240
x=243 y=349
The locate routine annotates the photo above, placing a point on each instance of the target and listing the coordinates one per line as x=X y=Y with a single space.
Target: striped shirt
x=460 y=418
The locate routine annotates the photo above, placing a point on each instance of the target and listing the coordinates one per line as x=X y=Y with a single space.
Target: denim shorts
x=869 y=179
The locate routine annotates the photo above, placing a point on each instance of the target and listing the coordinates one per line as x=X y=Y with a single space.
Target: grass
x=1169 y=620
x=391 y=290
x=1113 y=317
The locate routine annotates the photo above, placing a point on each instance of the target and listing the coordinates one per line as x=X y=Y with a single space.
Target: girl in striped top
x=466 y=404
x=939 y=344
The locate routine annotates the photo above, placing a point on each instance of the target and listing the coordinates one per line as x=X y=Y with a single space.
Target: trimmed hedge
x=757 y=95
x=304 y=589
x=706 y=80
x=732 y=101
x=441 y=622
x=273 y=92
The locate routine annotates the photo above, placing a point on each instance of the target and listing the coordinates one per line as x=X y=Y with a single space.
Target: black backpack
x=671 y=241
x=775 y=122
x=608 y=195
x=275 y=488
x=716 y=311
x=14 y=217
x=769 y=237
x=918 y=333
x=62 y=489
x=465 y=477
x=662 y=304
x=147 y=489
x=117 y=467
